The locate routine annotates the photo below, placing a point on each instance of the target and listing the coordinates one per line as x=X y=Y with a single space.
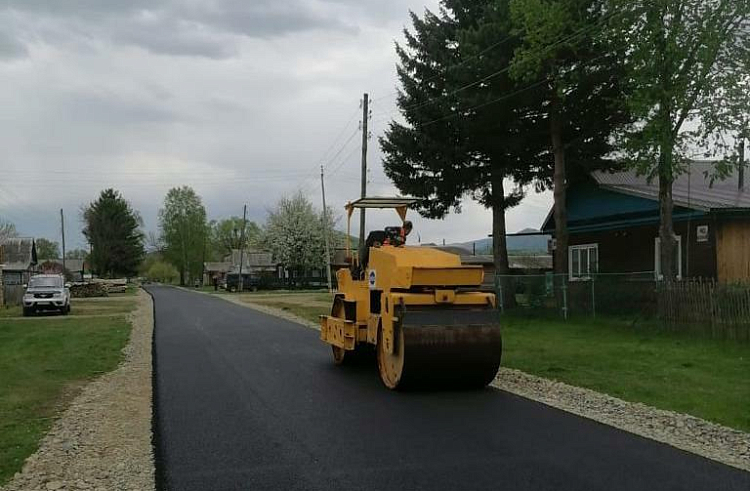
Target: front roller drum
x=442 y=347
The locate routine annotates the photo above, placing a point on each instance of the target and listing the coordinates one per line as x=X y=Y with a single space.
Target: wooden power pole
x=242 y=247
x=62 y=229
x=325 y=230
x=365 y=117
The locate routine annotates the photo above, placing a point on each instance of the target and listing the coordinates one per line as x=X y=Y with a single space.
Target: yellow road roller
x=419 y=307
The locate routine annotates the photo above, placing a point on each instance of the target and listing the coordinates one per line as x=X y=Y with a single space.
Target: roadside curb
x=102 y=441
x=685 y=432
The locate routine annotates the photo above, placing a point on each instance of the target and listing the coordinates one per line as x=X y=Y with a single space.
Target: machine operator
x=394 y=236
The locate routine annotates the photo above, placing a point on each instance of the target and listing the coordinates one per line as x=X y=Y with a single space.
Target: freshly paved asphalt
x=248 y=401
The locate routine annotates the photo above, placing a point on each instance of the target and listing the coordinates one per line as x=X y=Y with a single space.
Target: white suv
x=46 y=292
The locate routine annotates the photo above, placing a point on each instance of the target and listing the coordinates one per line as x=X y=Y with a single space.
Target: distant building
x=76 y=269
x=216 y=270
x=517 y=265
x=19 y=263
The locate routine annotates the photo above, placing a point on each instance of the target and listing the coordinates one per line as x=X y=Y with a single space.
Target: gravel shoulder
x=688 y=433
x=103 y=440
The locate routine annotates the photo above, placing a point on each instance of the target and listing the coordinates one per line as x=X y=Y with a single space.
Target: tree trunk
x=666 y=205
x=559 y=182
x=499 y=242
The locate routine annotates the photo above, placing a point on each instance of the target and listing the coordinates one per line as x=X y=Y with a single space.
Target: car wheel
x=26 y=312
x=65 y=310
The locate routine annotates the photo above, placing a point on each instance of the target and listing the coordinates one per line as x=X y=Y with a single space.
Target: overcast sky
x=242 y=100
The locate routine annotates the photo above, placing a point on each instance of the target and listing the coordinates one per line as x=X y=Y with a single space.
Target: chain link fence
x=707 y=307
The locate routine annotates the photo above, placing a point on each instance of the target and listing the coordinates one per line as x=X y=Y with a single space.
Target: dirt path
x=102 y=442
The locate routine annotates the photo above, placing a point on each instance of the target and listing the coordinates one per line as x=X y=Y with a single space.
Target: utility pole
x=365 y=117
x=62 y=228
x=325 y=230
x=242 y=246
x=741 y=170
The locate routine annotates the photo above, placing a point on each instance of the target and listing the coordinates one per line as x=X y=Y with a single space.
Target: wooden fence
x=721 y=311
x=13 y=294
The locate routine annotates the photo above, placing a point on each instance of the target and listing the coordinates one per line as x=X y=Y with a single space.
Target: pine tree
x=113 y=229
x=467 y=130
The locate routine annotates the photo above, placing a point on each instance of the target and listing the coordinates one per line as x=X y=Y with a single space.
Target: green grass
x=307 y=305
x=10 y=311
x=706 y=378
x=115 y=304
x=306 y=312
x=42 y=362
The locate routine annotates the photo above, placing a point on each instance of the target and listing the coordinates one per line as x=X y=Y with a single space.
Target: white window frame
x=657 y=258
x=580 y=276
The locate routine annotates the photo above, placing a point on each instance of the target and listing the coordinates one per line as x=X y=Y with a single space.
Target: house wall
x=733 y=250
x=630 y=250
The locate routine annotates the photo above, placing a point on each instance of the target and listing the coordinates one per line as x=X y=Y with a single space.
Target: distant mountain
x=531 y=244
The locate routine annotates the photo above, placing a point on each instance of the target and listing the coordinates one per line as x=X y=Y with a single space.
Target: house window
x=583 y=261
x=657 y=257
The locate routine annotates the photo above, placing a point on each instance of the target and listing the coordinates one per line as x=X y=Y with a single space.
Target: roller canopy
x=400 y=204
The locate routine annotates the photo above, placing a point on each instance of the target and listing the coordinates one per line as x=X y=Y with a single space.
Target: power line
x=564 y=39
x=453 y=67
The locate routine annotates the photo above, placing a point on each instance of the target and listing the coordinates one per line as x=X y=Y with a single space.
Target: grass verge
x=42 y=363
x=688 y=374
x=703 y=377
x=115 y=304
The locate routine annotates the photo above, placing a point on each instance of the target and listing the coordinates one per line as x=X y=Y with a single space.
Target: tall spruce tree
x=466 y=129
x=113 y=229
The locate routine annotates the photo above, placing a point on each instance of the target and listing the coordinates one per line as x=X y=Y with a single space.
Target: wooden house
x=613 y=223
x=19 y=263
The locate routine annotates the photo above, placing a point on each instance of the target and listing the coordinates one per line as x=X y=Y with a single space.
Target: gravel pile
x=102 y=442
x=685 y=432
x=710 y=440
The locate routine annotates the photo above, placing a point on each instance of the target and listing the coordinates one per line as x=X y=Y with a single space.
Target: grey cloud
x=11 y=47
x=181 y=27
x=112 y=109
x=175 y=38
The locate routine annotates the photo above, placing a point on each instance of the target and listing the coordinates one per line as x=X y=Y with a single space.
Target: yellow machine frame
x=369 y=309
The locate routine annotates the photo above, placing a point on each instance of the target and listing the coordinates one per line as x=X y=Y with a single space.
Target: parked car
x=250 y=282
x=46 y=292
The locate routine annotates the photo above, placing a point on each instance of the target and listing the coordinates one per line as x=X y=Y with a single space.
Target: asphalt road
x=247 y=401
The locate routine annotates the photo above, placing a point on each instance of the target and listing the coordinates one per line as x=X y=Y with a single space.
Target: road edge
x=102 y=440
x=682 y=431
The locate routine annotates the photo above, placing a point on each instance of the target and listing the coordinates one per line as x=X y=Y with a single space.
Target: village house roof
x=74 y=265
x=217 y=267
x=252 y=260
x=19 y=254
x=693 y=189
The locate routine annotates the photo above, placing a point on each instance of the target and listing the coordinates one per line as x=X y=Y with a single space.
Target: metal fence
x=706 y=307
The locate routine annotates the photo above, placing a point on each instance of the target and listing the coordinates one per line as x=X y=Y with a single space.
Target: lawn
x=308 y=305
x=114 y=304
x=706 y=378
x=703 y=377
x=42 y=362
